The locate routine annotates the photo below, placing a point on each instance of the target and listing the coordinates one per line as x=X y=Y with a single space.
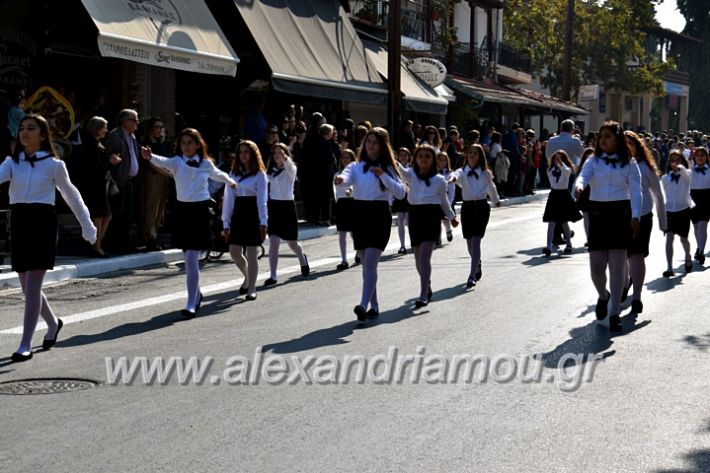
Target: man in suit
x=122 y=142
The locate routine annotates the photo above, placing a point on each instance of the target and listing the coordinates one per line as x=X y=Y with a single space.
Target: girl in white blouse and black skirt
x=191 y=230
x=700 y=193
x=343 y=210
x=676 y=185
x=428 y=204
x=560 y=207
x=400 y=207
x=283 y=221
x=35 y=173
x=614 y=212
x=374 y=178
x=245 y=212
x=443 y=164
x=476 y=183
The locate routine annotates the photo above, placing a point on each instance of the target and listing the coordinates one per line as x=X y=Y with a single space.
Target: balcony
x=416 y=21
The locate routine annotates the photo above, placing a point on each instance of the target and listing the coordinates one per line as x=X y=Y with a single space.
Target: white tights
x=274 y=243
x=248 y=266
x=402 y=218
x=669 y=249
x=370 y=258
x=473 y=245
x=551 y=233
x=616 y=261
x=343 y=240
x=35 y=305
x=422 y=258
x=701 y=234
x=192 y=278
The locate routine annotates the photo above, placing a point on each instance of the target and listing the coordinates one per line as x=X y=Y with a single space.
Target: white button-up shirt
x=473 y=188
x=366 y=185
x=281 y=185
x=700 y=180
x=253 y=185
x=610 y=183
x=191 y=183
x=677 y=190
x=433 y=194
x=563 y=181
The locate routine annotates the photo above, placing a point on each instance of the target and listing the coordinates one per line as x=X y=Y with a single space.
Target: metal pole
x=394 y=49
x=567 y=73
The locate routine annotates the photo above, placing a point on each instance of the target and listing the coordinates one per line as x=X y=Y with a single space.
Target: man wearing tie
x=121 y=142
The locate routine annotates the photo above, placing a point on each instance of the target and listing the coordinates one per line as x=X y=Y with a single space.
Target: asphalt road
x=636 y=401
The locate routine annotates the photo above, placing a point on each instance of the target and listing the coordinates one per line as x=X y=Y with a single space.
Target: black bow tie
x=610 y=161
x=33 y=159
x=275 y=171
x=443 y=172
x=473 y=173
x=557 y=172
x=193 y=164
x=424 y=178
x=700 y=170
x=243 y=176
x=369 y=164
x=675 y=177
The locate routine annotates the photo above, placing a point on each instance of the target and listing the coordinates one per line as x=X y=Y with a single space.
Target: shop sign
x=432 y=71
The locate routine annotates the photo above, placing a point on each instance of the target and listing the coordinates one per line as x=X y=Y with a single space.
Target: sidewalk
x=73 y=267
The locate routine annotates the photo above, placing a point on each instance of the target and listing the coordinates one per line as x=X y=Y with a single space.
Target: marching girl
x=443 y=165
x=429 y=202
x=614 y=212
x=583 y=199
x=245 y=212
x=191 y=231
x=343 y=210
x=35 y=173
x=400 y=207
x=560 y=207
x=374 y=178
x=676 y=185
x=283 y=221
x=700 y=193
x=476 y=182
x=651 y=188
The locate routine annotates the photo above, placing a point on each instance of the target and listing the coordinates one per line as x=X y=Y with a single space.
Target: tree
x=697 y=60
x=607 y=39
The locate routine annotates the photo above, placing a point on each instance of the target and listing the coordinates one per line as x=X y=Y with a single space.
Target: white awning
x=178 y=34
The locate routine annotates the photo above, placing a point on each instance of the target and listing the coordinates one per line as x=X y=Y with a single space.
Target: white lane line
x=223 y=286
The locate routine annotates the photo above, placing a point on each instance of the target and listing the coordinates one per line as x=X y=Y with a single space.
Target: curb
x=92 y=267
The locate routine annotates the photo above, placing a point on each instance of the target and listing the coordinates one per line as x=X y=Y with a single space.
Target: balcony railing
x=416 y=21
x=514 y=59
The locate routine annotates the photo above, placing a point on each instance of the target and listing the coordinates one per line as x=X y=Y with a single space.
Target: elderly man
x=121 y=142
x=567 y=142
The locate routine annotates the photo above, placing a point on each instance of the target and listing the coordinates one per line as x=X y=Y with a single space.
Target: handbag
x=111 y=186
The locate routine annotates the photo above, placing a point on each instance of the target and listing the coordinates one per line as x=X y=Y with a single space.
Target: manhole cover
x=46 y=386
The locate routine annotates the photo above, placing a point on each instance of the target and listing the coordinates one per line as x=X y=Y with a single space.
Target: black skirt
x=191 y=228
x=400 y=205
x=244 y=228
x=679 y=222
x=424 y=223
x=283 y=221
x=640 y=244
x=701 y=211
x=610 y=225
x=344 y=214
x=560 y=207
x=583 y=201
x=372 y=224
x=474 y=217
x=33 y=236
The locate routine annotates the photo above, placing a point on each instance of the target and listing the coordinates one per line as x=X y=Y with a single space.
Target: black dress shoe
x=701 y=259
x=372 y=314
x=46 y=343
x=18 y=357
x=470 y=283
x=688 y=266
x=636 y=306
x=343 y=265
x=615 y=323
x=479 y=272
x=305 y=269
x=269 y=282
x=625 y=292
x=419 y=303
x=601 y=308
x=243 y=290
x=402 y=251
x=360 y=313
x=357 y=259
x=251 y=297
x=546 y=251
x=449 y=236
x=188 y=314
x=668 y=274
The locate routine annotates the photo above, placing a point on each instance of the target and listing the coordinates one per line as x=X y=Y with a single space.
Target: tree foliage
x=607 y=39
x=696 y=60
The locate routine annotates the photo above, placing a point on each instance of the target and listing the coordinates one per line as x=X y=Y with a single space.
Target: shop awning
x=515 y=96
x=313 y=49
x=418 y=96
x=179 y=34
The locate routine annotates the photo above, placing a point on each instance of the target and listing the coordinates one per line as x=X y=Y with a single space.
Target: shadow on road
x=701 y=342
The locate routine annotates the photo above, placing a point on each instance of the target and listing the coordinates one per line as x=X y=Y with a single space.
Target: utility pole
x=567 y=73
x=394 y=57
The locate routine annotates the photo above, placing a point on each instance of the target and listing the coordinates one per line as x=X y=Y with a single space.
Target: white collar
x=39 y=154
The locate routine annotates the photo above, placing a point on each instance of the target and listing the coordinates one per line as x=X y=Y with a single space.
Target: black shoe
x=568 y=250
x=701 y=259
x=18 y=357
x=449 y=236
x=251 y=297
x=688 y=266
x=243 y=290
x=479 y=273
x=357 y=259
x=615 y=323
x=636 y=306
x=470 y=283
x=46 y=343
x=373 y=314
x=188 y=314
x=668 y=274
x=360 y=313
x=343 y=265
x=269 y=282
x=153 y=245
x=625 y=292
x=546 y=251
x=305 y=269
x=697 y=254
x=601 y=308
x=402 y=251
x=199 y=302
x=419 y=303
